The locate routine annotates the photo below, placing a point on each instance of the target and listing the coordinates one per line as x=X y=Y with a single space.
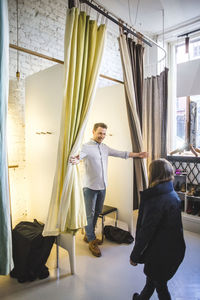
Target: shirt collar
x=94 y=142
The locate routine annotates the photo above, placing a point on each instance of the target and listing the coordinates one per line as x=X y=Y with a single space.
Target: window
x=183 y=107
x=180 y=121
x=196 y=99
x=181 y=111
x=194 y=51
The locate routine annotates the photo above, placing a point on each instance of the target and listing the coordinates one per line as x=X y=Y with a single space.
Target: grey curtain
x=154 y=116
x=133 y=103
x=136 y=52
x=6 y=263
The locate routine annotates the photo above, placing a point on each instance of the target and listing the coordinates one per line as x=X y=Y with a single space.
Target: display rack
x=187 y=186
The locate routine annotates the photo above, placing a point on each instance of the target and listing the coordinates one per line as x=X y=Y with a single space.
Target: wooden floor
x=108 y=277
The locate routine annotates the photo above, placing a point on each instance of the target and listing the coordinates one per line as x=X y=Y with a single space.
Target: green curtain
x=84 y=43
x=6 y=262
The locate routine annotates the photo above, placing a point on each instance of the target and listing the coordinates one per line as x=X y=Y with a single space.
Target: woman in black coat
x=159 y=242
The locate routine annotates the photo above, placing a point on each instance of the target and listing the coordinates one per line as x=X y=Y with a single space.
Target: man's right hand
x=74 y=160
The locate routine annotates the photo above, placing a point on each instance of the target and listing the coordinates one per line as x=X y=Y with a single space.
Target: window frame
x=172 y=81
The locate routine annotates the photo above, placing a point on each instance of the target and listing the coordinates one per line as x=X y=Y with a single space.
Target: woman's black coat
x=159 y=242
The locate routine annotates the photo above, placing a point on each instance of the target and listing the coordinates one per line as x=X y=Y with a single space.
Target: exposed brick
x=41 y=29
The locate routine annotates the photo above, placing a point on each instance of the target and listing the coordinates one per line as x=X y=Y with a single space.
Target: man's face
x=99 y=135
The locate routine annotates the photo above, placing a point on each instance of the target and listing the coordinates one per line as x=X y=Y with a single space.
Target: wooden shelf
x=194 y=218
x=192 y=159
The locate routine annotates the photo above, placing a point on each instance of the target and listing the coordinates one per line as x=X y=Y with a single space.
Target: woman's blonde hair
x=160 y=170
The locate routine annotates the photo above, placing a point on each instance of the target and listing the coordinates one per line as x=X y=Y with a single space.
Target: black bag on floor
x=30 y=251
x=118 y=235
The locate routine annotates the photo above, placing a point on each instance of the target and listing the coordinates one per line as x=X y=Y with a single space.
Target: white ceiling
x=149 y=17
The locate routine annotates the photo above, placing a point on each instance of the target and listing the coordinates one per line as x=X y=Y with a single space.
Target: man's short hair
x=97 y=125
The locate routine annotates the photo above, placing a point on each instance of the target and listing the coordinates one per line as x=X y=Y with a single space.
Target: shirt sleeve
x=117 y=153
x=83 y=152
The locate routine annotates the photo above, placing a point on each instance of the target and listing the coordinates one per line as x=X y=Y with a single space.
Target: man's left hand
x=74 y=160
x=143 y=154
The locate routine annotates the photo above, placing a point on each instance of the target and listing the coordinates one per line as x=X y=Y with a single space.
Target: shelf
x=193 y=198
x=188 y=196
x=190 y=217
x=182 y=193
x=191 y=159
x=181 y=175
x=191 y=223
x=189 y=179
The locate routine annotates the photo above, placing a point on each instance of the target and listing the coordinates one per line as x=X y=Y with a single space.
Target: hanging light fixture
x=17 y=73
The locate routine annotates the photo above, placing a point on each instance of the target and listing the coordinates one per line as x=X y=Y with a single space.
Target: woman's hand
x=133 y=263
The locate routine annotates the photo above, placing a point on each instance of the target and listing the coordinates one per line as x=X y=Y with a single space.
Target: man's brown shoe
x=99 y=242
x=94 y=248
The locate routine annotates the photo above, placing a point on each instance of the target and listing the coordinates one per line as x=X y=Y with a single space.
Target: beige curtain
x=6 y=261
x=155 y=97
x=84 y=43
x=139 y=166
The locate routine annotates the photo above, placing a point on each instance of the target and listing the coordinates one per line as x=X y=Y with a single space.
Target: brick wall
x=41 y=26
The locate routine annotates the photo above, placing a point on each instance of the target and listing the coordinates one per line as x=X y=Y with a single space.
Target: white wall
x=43 y=108
x=188 y=74
x=109 y=107
x=41 y=28
x=43 y=105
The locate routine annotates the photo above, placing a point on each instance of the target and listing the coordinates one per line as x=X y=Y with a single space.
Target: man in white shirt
x=95 y=156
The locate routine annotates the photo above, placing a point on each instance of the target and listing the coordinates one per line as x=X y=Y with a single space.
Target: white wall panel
x=43 y=106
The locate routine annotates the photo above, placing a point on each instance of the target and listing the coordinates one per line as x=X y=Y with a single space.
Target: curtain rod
x=187 y=33
x=115 y=20
x=21 y=49
x=109 y=15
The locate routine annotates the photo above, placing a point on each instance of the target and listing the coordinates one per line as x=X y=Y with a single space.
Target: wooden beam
x=112 y=79
x=21 y=49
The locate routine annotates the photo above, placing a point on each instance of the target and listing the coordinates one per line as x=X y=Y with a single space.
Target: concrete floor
x=108 y=277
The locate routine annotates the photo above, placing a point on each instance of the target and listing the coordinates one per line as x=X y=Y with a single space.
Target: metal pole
x=118 y=22
x=71 y=3
x=21 y=49
x=96 y=6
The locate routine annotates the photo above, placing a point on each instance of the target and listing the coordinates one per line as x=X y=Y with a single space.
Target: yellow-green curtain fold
x=84 y=43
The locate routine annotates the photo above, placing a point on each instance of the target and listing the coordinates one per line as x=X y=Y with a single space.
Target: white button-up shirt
x=95 y=157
